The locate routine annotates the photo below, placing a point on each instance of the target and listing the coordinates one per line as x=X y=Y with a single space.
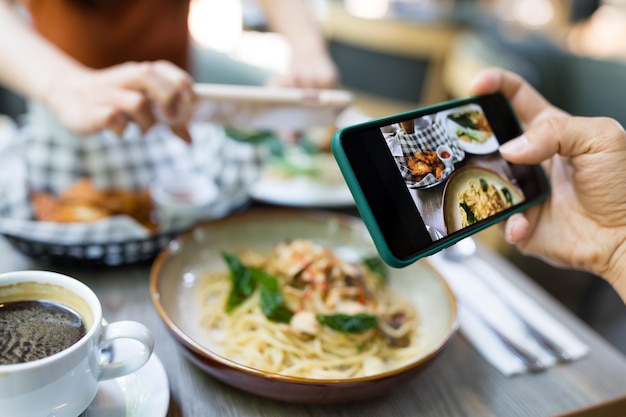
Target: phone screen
x=432 y=176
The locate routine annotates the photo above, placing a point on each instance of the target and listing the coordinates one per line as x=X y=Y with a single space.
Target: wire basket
x=53 y=162
x=105 y=254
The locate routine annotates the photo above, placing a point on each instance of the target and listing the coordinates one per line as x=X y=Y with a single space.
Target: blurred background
x=397 y=55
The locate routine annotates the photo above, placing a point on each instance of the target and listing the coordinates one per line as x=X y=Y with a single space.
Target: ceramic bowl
x=459 y=182
x=173 y=287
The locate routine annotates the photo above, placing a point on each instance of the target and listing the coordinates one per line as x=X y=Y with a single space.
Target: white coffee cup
x=65 y=383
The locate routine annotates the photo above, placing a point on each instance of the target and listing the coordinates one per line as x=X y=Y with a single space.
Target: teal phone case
x=364 y=208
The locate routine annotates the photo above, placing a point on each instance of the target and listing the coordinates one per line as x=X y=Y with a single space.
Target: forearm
x=292 y=19
x=31 y=64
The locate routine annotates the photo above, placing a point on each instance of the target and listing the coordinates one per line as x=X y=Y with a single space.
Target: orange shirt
x=127 y=30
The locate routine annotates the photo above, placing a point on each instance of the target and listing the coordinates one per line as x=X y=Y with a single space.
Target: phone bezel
x=384 y=201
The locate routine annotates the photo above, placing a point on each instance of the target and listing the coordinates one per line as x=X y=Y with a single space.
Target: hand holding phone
x=425 y=179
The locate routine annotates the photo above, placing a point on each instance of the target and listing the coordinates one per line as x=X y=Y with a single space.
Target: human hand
x=92 y=100
x=309 y=70
x=583 y=223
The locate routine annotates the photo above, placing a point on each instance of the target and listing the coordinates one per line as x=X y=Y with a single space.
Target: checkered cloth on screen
x=425 y=138
x=55 y=162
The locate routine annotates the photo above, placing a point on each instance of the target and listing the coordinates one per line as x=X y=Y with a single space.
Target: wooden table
x=459 y=382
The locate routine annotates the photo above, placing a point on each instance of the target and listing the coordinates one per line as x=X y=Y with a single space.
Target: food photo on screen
x=450 y=164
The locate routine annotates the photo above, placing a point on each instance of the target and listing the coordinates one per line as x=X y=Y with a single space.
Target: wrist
x=307 y=45
x=54 y=87
x=615 y=273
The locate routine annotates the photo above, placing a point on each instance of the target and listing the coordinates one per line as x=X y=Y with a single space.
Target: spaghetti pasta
x=481 y=200
x=343 y=321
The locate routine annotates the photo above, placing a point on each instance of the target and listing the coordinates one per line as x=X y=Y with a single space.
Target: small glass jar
x=182 y=198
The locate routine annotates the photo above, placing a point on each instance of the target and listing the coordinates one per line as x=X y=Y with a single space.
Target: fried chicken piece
x=428 y=157
x=424 y=163
x=84 y=202
x=79 y=213
x=83 y=192
x=45 y=206
x=136 y=204
x=418 y=168
x=51 y=209
x=121 y=201
x=439 y=171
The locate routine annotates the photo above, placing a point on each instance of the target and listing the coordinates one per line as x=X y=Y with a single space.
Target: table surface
x=458 y=383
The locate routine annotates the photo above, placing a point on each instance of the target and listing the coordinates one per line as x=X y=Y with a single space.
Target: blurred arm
x=87 y=100
x=23 y=72
x=312 y=65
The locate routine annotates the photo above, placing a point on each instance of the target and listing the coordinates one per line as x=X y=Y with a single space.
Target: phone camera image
x=450 y=165
x=424 y=179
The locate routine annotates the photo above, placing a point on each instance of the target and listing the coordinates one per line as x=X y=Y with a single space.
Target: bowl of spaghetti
x=296 y=306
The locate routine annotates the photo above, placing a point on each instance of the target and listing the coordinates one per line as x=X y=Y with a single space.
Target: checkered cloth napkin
x=427 y=138
x=38 y=160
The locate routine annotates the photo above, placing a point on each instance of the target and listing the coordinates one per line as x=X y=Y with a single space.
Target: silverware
x=467 y=248
x=106 y=352
x=529 y=359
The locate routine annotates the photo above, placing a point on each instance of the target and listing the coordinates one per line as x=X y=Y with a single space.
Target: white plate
x=327 y=189
x=144 y=393
x=490 y=145
x=260 y=230
x=301 y=192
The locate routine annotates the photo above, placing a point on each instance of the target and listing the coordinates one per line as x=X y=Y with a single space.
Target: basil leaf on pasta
x=243 y=284
x=300 y=305
x=271 y=299
x=346 y=323
x=377 y=267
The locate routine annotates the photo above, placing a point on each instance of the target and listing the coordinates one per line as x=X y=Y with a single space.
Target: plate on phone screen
x=470 y=128
x=474 y=192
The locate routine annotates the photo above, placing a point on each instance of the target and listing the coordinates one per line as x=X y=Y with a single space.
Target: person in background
x=583 y=223
x=311 y=64
x=100 y=64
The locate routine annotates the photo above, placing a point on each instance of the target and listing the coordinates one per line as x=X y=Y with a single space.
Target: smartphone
x=425 y=179
x=269 y=108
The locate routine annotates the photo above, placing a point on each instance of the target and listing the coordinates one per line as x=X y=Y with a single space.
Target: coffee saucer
x=144 y=393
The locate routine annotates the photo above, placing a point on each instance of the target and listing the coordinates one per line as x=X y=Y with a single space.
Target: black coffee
x=31 y=330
